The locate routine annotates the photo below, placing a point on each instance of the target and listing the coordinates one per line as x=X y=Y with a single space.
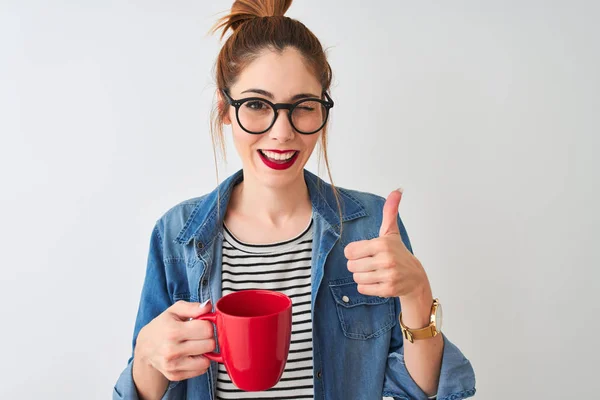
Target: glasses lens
x=309 y=116
x=255 y=115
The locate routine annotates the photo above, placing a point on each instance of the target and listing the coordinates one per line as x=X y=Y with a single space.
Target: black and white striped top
x=284 y=267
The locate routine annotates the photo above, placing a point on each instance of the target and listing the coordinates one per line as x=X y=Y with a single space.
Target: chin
x=277 y=179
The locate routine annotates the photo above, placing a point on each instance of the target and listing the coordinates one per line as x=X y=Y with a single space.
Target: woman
x=343 y=256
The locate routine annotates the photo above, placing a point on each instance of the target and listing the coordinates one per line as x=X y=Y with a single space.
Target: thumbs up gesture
x=383 y=266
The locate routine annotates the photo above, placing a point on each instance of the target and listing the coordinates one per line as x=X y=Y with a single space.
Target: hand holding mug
x=174 y=345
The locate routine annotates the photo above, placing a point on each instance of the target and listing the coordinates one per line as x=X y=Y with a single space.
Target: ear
x=221 y=105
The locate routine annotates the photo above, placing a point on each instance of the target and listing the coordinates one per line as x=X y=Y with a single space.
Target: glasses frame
x=327 y=104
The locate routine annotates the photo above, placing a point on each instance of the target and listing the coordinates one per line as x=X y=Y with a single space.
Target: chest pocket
x=361 y=316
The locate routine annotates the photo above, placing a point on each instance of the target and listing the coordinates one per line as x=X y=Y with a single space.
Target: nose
x=282 y=129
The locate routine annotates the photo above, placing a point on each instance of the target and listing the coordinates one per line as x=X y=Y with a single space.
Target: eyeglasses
x=256 y=115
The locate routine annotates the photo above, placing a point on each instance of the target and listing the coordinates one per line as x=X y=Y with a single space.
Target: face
x=279 y=78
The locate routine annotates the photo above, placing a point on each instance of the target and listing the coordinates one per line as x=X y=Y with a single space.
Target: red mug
x=254 y=329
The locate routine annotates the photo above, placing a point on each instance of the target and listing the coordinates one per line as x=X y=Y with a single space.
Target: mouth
x=278 y=159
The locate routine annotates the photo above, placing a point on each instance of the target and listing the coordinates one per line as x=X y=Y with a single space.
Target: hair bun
x=245 y=10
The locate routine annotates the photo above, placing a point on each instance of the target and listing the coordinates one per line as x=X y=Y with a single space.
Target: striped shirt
x=284 y=267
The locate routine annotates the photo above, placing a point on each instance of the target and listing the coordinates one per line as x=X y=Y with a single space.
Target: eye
x=256 y=105
x=308 y=106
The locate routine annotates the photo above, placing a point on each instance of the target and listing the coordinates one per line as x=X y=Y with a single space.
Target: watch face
x=438 y=318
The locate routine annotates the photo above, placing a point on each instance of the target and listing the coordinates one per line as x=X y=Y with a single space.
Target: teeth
x=279 y=156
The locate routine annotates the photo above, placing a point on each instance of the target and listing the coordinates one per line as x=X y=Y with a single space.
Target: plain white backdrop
x=486 y=112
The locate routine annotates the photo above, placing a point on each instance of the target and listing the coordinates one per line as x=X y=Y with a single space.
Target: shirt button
x=200 y=245
x=204 y=282
x=319 y=375
x=345 y=299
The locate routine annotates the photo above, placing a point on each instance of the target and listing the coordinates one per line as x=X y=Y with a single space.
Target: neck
x=273 y=205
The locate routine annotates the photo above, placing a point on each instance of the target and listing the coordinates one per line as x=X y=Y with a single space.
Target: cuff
x=125 y=387
x=457 y=378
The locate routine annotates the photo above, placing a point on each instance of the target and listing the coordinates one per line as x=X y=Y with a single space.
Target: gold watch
x=431 y=330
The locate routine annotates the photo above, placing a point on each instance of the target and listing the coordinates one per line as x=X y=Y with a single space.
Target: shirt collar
x=208 y=214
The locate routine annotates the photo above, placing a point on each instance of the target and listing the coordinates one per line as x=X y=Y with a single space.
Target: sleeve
x=154 y=300
x=457 y=377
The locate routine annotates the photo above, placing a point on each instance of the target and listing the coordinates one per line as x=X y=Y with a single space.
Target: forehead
x=283 y=74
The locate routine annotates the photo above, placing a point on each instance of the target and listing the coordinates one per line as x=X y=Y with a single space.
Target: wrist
x=149 y=382
x=416 y=307
x=139 y=353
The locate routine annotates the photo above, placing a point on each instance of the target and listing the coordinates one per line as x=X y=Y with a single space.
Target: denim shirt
x=357 y=344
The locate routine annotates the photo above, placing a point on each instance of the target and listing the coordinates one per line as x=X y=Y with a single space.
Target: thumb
x=389 y=224
x=185 y=310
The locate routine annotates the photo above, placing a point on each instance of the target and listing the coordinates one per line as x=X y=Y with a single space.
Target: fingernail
x=400 y=189
x=205 y=303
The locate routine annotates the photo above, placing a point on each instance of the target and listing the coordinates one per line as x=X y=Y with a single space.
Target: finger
x=184 y=310
x=369 y=278
x=362 y=248
x=192 y=363
x=380 y=261
x=374 y=289
x=187 y=367
x=365 y=264
x=389 y=222
x=194 y=348
x=196 y=330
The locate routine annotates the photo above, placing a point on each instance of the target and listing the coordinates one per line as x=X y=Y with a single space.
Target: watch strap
x=417 y=334
x=424 y=333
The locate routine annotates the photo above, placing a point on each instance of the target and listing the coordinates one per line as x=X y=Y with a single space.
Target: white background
x=486 y=112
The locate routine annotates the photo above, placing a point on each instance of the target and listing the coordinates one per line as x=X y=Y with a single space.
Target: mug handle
x=212 y=317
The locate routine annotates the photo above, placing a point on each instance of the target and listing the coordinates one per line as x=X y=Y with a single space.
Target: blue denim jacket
x=357 y=345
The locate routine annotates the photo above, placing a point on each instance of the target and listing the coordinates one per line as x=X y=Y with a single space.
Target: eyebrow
x=270 y=95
